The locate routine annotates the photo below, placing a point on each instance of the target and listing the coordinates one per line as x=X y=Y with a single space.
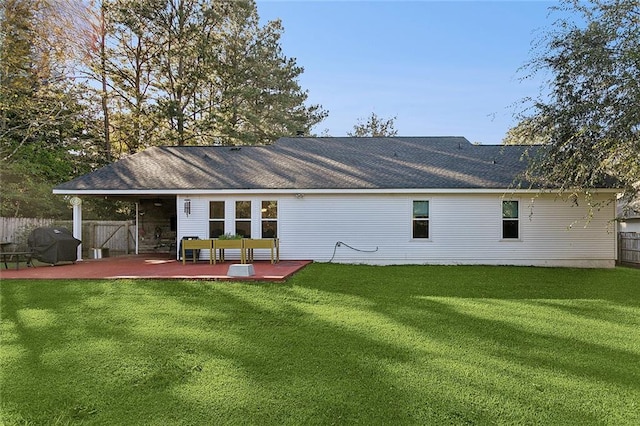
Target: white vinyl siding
x=463 y=229
x=194 y=224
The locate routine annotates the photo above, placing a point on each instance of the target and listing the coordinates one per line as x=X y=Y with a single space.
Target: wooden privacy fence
x=16 y=229
x=629 y=247
x=117 y=236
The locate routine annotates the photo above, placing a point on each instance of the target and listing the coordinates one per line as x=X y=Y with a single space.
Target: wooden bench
x=11 y=256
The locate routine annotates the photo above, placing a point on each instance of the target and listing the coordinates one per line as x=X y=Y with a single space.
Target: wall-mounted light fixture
x=187 y=206
x=299 y=195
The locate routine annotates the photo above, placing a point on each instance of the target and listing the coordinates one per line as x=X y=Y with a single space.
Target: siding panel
x=196 y=224
x=464 y=229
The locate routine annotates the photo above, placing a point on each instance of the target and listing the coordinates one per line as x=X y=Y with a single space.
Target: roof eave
x=135 y=192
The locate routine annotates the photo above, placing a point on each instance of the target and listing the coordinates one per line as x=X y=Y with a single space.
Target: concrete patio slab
x=153 y=266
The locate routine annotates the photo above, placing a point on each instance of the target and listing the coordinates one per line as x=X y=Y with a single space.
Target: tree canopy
x=526 y=132
x=46 y=129
x=84 y=82
x=374 y=126
x=590 y=120
x=198 y=72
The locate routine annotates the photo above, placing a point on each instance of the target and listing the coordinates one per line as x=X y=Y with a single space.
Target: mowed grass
x=337 y=344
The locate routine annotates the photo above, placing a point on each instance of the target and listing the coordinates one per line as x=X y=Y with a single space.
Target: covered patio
x=153 y=267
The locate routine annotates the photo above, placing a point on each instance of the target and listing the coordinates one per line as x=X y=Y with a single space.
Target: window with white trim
x=243 y=218
x=510 y=220
x=420 y=219
x=269 y=219
x=216 y=218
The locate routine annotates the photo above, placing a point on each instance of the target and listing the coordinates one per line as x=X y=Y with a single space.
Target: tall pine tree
x=197 y=72
x=45 y=127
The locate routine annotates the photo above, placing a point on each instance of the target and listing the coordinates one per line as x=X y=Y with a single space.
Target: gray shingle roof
x=314 y=163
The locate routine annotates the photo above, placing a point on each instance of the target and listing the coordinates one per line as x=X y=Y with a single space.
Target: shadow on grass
x=422 y=346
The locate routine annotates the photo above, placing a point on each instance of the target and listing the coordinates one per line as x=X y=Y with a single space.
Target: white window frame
x=248 y=220
x=222 y=220
x=262 y=219
x=413 y=219
x=517 y=219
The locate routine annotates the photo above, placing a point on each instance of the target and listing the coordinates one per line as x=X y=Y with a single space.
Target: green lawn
x=337 y=344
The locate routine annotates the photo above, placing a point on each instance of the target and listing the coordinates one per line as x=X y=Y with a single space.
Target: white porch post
x=76 y=202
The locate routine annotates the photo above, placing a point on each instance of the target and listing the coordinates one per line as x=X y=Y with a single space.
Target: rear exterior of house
x=414 y=228
x=432 y=200
x=630 y=225
x=628 y=216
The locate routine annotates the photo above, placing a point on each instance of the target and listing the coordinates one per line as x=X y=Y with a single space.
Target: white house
x=400 y=200
x=628 y=216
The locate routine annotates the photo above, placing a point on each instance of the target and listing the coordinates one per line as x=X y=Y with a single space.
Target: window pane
x=420 y=229
x=216 y=210
x=510 y=209
x=269 y=229
x=243 y=228
x=243 y=209
x=216 y=228
x=269 y=209
x=420 y=209
x=509 y=229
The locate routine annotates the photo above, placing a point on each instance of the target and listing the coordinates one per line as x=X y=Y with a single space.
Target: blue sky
x=443 y=68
